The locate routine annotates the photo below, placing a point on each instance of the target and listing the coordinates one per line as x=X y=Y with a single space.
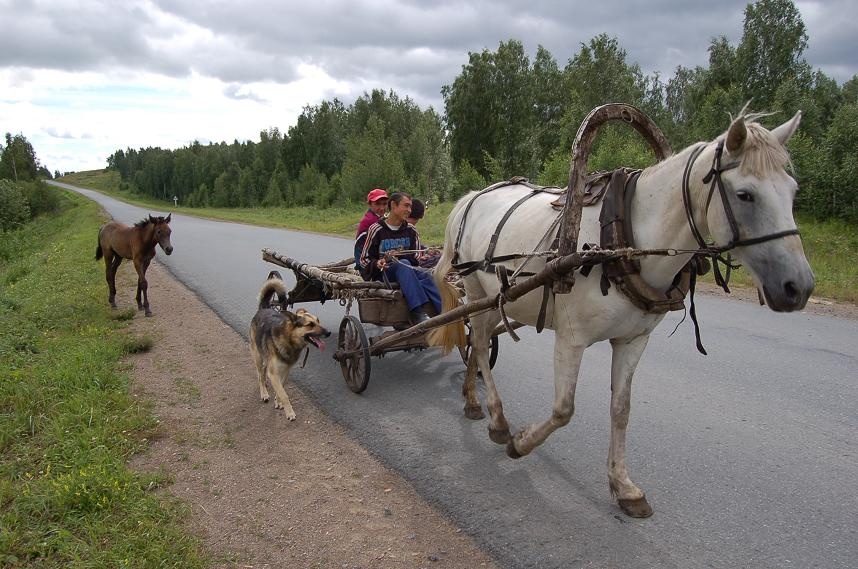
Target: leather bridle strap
x=713 y=178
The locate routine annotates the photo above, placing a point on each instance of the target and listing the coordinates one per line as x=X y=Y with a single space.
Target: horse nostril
x=791 y=290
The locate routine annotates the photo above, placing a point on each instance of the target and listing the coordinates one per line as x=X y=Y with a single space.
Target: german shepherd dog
x=277 y=339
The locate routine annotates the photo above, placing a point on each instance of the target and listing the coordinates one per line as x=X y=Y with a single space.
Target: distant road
x=748 y=455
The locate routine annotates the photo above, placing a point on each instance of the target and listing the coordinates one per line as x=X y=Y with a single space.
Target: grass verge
x=67 y=421
x=831 y=246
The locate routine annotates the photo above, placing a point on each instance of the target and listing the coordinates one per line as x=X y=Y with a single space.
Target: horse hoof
x=499 y=436
x=638 y=508
x=148 y=313
x=474 y=412
x=511 y=451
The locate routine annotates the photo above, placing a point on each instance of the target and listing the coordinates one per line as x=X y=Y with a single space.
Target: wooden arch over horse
x=733 y=192
x=117 y=241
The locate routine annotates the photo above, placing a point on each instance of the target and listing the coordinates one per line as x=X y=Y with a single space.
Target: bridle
x=713 y=178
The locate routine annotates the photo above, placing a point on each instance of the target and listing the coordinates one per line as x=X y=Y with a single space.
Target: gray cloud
x=239 y=93
x=410 y=46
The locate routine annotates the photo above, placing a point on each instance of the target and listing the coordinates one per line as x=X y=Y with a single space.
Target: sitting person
x=378 y=259
x=427 y=258
x=377 y=200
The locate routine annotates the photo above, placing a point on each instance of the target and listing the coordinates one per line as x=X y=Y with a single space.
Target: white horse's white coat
x=761 y=194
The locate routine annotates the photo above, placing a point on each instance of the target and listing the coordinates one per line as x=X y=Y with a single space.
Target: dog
x=277 y=338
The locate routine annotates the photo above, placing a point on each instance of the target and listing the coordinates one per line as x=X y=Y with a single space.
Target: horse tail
x=452 y=335
x=98 y=252
x=269 y=288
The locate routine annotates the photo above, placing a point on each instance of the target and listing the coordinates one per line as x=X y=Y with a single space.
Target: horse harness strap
x=489 y=259
x=616 y=233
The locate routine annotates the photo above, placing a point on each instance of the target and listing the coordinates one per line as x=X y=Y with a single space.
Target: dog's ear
x=291 y=317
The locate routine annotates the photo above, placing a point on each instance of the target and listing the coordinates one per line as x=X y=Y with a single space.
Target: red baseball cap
x=375 y=195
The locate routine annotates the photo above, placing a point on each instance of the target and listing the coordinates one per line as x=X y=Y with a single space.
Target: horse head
x=162 y=232
x=752 y=213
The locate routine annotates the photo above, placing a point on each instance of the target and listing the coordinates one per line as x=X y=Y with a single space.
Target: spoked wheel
x=493 y=349
x=356 y=368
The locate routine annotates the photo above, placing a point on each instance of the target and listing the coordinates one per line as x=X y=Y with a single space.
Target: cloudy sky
x=83 y=78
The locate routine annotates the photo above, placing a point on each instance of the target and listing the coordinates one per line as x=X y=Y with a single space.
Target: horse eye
x=745 y=196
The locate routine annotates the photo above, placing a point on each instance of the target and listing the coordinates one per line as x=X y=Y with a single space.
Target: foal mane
x=146 y=221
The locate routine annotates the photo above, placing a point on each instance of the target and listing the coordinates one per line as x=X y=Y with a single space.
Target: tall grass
x=67 y=421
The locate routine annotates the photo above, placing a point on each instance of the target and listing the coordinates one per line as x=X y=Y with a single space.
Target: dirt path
x=265 y=492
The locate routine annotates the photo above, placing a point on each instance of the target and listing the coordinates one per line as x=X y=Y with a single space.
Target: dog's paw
x=290 y=415
x=277 y=404
x=264 y=398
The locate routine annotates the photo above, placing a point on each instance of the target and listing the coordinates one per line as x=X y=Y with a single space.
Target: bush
x=14 y=208
x=41 y=197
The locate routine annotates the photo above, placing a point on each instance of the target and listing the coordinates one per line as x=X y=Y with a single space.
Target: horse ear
x=784 y=132
x=168 y=217
x=736 y=135
x=151 y=219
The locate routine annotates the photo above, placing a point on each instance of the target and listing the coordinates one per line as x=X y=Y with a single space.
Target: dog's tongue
x=319 y=344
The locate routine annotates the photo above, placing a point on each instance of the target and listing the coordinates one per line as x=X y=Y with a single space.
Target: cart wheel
x=493 y=350
x=356 y=369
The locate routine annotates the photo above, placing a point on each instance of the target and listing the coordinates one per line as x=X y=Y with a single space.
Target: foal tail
x=452 y=335
x=98 y=252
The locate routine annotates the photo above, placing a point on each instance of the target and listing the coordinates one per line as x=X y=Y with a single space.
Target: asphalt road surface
x=748 y=456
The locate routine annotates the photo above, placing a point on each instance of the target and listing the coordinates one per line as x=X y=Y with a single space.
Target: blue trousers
x=416 y=285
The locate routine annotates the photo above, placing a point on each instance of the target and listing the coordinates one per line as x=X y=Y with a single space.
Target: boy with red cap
x=377 y=200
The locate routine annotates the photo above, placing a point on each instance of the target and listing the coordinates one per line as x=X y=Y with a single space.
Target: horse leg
x=473 y=409
x=625 y=358
x=142 y=286
x=482 y=326
x=111 y=264
x=567 y=363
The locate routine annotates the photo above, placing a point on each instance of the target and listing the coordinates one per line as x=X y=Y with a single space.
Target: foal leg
x=142 y=285
x=625 y=358
x=111 y=263
x=567 y=363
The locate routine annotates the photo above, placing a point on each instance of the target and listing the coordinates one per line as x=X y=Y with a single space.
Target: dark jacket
x=381 y=238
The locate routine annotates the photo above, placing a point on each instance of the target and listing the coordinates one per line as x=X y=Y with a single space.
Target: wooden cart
x=380 y=304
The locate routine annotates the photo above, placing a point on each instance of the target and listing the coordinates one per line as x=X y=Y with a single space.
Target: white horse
x=760 y=194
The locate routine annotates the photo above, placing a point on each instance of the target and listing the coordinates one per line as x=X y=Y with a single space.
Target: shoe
x=417 y=316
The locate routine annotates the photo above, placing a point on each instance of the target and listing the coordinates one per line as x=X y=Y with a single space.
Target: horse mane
x=146 y=221
x=762 y=153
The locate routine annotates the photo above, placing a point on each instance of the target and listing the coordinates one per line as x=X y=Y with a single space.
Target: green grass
x=68 y=424
x=831 y=246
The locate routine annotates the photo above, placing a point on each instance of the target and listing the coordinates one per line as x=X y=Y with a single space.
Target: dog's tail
x=269 y=289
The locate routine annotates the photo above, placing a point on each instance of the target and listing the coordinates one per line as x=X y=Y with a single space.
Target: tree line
x=506 y=114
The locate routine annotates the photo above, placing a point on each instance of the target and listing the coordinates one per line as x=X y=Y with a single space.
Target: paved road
x=748 y=455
